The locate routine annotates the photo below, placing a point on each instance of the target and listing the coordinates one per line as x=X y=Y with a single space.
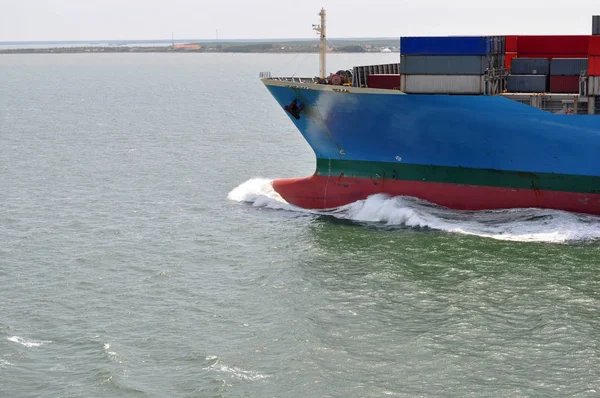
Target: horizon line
x=187 y=40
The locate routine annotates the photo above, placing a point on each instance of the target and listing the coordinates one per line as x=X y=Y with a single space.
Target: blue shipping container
x=530 y=66
x=446 y=64
x=527 y=84
x=568 y=66
x=448 y=45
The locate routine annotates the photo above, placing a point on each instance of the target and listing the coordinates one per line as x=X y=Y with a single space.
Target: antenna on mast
x=323 y=43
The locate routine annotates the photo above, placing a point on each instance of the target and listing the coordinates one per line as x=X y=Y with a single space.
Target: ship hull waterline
x=320 y=192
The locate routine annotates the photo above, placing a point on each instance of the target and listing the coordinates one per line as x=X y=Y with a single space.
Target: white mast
x=322 y=32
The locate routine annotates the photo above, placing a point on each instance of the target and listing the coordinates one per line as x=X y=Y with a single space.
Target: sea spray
x=520 y=225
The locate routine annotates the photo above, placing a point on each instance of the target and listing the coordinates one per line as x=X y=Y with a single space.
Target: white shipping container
x=442 y=84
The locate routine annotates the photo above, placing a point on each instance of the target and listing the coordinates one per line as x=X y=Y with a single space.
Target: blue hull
x=470 y=152
x=479 y=132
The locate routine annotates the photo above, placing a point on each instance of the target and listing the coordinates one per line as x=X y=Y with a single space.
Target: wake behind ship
x=478 y=122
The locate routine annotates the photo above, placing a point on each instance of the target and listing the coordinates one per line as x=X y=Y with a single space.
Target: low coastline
x=306 y=46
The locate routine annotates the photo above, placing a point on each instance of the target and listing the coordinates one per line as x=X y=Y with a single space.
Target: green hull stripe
x=459 y=175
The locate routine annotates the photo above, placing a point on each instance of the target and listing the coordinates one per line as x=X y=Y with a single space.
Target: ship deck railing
x=574 y=104
x=294 y=79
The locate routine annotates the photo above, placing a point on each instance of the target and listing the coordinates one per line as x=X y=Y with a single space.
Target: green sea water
x=144 y=254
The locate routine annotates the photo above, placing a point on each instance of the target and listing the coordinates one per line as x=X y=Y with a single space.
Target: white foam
x=237 y=373
x=259 y=192
x=111 y=354
x=28 y=343
x=521 y=225
x=383 y=209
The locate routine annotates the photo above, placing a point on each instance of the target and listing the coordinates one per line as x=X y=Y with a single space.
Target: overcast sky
x=34 y=20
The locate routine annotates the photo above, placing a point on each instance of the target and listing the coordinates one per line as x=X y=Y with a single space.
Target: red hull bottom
x=321 y=192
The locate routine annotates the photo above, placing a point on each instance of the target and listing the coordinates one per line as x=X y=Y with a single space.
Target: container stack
x=560 y=58
x=361 y=75
x=529 y=75
x=448 y=64
x=594 y=66
x=458 y=64
x=565 y=73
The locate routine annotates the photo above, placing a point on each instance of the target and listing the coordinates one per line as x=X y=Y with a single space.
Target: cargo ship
x=472 y=123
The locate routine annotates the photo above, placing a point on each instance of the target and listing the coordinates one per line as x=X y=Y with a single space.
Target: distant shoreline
x=301 y=46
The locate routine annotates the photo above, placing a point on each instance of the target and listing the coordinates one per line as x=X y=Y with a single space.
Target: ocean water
x=143 y=253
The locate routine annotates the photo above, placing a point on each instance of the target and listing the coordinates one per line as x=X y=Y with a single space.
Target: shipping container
x=530 y=66
x=511 y=44
x=596 y=25
x=568 y=66
x=553 y=55
x=594 y=65
x=573 y=45
x=527 y=83
x=446 y=45
x=446 y=64
x=594 y=47
x=360 y=73
x=508 y=59
x=564 y=84
x=389 y=82
x=442 y=84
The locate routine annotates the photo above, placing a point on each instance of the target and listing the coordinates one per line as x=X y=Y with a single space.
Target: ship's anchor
x=295 y=108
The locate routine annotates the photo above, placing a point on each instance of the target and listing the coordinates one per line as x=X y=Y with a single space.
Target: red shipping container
x=511 y=44
x=553 y=45
x=552 y=55
x=508 y=57
x=389 y=82
x=594 y=65
x=594 y=48
x=564 y=84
